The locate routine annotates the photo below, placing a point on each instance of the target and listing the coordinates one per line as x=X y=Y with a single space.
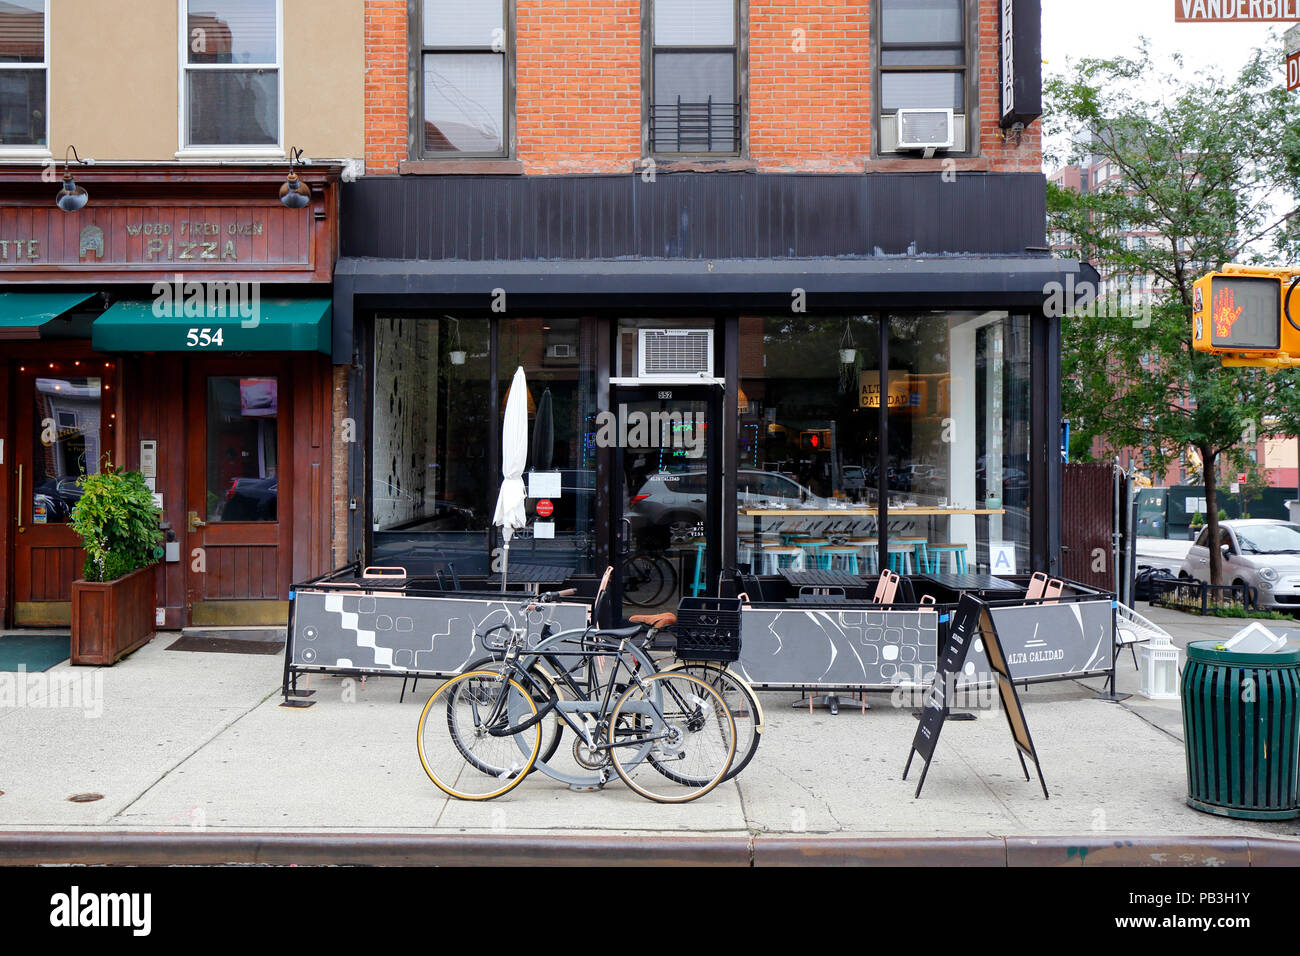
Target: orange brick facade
x=578 y=88
x=386 y=96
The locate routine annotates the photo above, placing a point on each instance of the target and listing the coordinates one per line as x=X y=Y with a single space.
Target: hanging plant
x=850 y=359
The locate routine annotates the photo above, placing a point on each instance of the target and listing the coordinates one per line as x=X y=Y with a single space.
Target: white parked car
x=1261 y=553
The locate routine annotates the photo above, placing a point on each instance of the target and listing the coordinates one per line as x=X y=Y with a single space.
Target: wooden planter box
x=112 y=619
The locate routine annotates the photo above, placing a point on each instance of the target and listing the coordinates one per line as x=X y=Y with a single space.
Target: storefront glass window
x=558 y=359
x=807 y=458
x=436 y=463
x=958 y=478
x=432 y=475
x=243 y=452
x=67 y=446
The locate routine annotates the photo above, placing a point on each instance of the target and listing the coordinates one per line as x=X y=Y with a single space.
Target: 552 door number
x=203 y=338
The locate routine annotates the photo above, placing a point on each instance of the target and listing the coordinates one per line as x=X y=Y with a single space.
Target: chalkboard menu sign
x=971 y=622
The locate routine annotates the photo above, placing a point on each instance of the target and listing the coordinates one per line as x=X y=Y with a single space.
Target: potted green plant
x=1197 y=523
x=113 y=603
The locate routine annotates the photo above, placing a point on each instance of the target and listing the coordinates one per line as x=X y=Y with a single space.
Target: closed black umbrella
x=544 y=434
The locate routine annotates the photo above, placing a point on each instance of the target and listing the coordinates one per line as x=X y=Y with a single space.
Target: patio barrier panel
x=852 y=646
x=346 y=629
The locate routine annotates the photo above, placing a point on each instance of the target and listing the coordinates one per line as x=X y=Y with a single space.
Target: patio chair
x=886 y=588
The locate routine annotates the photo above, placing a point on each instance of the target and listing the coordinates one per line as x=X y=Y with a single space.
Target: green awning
x=209 y=327
x=23 y=313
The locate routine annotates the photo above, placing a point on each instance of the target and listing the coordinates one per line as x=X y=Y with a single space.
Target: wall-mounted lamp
x=72 y=197
x=295 y=194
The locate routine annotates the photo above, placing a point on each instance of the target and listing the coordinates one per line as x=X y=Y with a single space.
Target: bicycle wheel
x=740 y=699
x=671 y=719
x=669 y=571
x=553 y=726
x=455 y=738
x=643 y=580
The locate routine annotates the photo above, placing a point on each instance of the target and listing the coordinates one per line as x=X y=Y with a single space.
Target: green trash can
x=1241 y=727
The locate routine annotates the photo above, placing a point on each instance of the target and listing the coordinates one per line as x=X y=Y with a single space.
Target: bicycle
x=548 y=661
x=669 y=736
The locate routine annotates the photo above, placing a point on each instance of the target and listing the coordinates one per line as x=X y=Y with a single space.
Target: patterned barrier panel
x=881 y=649
x=347 y=631
x=825 y=646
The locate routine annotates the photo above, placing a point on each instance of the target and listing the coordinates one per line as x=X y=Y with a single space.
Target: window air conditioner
x=664 y=353
x=559 y=351
x=929 y=130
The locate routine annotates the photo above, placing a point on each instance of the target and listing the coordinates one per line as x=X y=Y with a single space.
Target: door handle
x=627 y=538
x=21 y=505
x=194 y=522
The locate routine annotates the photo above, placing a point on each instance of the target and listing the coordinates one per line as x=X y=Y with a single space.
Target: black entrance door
x=667 y=495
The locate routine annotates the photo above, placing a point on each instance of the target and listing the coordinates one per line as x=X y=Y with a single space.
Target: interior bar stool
x=812 y=548
x=900 y=556
x=958 y=556
x=776 y=557
x=868 y=549
x=920 y=558
x=844 y=554
x=697 y=581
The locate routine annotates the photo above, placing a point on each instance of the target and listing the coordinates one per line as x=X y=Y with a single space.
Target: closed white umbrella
x=510 y=514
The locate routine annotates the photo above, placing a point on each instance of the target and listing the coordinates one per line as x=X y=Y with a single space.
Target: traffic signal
x=817 y=440
x=1244 y=315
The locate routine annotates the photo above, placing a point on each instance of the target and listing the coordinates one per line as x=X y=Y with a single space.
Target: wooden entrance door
x=63 y=429
x=239 y=487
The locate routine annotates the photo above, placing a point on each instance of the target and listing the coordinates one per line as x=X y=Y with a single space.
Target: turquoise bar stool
x=868 y=548
x=697 y=584
x=812 y=549
x=845 y=556
x=917 y=546
x=957 y=551
x=776 y=558
x=900 y=557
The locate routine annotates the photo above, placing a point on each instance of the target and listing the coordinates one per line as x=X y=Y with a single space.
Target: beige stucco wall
x=114 y=80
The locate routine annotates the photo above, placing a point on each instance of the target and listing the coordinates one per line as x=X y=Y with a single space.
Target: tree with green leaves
x=1209 y=170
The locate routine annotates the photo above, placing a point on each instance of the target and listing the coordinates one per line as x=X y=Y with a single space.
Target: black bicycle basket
x=708 y=629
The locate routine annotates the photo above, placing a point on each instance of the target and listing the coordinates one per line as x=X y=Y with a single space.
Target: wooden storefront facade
x=178 y=324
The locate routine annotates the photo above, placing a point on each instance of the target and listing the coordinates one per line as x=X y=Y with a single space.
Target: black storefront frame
x=1044 y=416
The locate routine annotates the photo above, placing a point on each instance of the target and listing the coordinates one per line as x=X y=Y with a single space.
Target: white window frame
x=185 y=151
x=34 y=152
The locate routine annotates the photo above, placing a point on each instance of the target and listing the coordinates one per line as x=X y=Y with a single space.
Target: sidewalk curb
x=369 y=849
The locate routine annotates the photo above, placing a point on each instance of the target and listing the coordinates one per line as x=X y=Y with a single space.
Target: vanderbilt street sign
x=1236 y=11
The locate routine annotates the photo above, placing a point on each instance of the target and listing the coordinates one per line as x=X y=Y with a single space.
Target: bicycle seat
x=618 y=633
x=656 y=621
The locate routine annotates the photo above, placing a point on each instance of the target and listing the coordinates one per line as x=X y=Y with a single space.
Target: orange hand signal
x=1224 y=315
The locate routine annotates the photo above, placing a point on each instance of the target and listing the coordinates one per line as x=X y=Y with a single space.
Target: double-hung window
x=231 y=75
x=694 y=82
x=922 y=63
x=464 y=70
x=24 y=74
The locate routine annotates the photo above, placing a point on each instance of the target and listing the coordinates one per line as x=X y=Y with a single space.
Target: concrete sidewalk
x=198 y=742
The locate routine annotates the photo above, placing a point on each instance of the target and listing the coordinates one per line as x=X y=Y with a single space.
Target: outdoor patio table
x=534 y=575
x=974 y=583
x=822 y=579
